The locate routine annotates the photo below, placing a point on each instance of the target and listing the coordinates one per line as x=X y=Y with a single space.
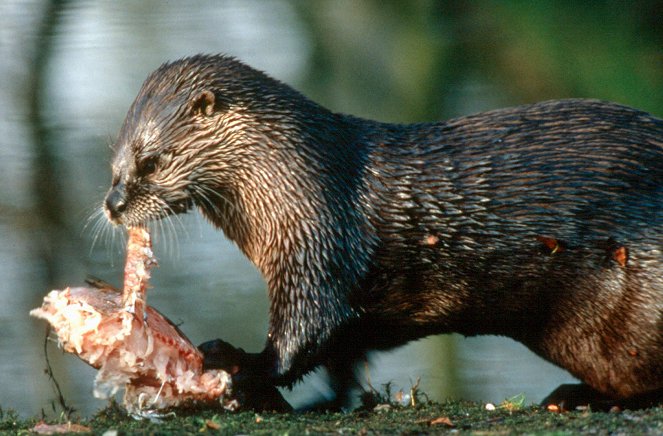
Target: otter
x=542 y=223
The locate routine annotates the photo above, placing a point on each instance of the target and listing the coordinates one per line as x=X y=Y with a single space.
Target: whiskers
x=165 y=221
x=213 y=201
x=101 y=231
x=165 y=231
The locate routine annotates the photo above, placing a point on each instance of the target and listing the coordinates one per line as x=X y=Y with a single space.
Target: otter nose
x=116 y=201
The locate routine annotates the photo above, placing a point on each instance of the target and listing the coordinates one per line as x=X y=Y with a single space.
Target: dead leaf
x=43 y=428
x=553 y=245
x=212 y=425
x=442 y=420
x=620 y=255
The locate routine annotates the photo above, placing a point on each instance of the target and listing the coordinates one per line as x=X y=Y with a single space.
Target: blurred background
x=70 y=69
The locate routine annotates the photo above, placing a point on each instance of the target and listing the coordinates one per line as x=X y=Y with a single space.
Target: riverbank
x=425 y=418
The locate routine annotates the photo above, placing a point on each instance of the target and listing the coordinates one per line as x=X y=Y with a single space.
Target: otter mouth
x=141 y=215
x=169 y=209
x=181 y=206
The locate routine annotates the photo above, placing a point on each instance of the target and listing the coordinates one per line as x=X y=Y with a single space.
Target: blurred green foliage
x=426 y=60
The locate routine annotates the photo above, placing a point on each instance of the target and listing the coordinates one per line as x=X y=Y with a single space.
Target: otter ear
x=204 y=103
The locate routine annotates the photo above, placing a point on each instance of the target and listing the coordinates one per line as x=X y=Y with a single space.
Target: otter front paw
x=219 y=354
x=251 y=385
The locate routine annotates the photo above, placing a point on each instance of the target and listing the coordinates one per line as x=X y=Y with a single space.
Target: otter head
x=170 y=152
x=212 y=132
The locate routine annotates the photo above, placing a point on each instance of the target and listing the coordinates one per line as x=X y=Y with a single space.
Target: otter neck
x=273 y=205
x=296 y=213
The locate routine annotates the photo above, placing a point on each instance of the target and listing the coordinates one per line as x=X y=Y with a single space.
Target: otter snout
x=116 y=203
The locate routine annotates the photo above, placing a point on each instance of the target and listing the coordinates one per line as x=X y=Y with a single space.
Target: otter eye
x=148 y=165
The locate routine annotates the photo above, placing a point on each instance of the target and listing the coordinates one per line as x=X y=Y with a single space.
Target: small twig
x=56 y=386
x=414 y=392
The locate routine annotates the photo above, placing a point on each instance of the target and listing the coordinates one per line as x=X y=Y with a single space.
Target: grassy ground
x=425 y=418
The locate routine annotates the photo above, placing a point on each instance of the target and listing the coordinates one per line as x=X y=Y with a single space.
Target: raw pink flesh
x=132 y=344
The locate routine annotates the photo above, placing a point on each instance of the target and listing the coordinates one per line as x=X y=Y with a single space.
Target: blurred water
x=69 y=72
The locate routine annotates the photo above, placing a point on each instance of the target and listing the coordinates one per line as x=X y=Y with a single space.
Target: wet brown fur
x=541 y=222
